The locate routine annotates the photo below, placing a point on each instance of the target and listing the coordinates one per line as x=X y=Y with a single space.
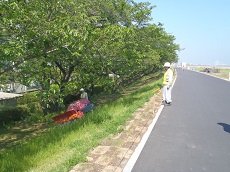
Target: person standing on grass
x=167 y=84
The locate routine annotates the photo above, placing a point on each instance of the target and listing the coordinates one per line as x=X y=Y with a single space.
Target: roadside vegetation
x=222 y=72
x=60 y=147
x=62 y=46
x=59 y=47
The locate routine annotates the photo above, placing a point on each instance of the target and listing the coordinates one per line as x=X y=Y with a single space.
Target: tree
x=68 y=44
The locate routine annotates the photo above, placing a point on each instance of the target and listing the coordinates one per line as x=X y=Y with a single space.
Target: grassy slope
x=62 y=147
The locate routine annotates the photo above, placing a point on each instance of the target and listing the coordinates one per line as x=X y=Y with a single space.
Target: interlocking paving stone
x=113 y=153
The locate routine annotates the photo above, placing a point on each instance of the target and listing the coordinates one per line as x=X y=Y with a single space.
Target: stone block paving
x=113 y=153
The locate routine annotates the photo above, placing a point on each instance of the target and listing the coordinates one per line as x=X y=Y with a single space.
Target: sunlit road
x=194 y=133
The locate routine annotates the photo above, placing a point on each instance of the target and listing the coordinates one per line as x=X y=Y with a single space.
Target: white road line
x=211 y=75
x=135 y=155
x=130 y=164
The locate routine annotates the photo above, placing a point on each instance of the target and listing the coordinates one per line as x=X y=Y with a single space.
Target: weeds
x=66 y=145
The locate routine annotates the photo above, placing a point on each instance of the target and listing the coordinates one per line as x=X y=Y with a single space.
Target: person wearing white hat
x=84 y=95
x=167 y=84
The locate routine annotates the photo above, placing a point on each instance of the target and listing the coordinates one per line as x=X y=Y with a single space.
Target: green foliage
x=38 y=118
x=73 y=44
x=65 y=145
x=27 y=98
x=51 y=98
x=31 y=102
x=10 y=114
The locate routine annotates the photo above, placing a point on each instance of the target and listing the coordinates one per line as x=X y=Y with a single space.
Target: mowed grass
x=64 y=146
x=224 y=72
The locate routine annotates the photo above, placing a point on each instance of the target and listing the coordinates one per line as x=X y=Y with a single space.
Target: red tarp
x=67 y=116
x=74 y=111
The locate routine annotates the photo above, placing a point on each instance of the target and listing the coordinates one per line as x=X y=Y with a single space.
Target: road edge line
x=209 y=75
x=130 y=164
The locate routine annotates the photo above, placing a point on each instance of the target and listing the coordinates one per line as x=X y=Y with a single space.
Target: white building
x=9 y=99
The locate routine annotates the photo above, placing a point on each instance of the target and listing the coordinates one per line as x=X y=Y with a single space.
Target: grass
x=224 y=72
x=61 y=147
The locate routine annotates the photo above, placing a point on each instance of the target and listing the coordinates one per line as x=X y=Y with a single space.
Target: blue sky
x=201 y=27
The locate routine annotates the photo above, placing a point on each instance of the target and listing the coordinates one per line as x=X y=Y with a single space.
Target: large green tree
x=64 y=45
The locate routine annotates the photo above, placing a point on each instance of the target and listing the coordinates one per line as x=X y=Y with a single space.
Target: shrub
x=28 y=98
x=30 y=102
x=9 y=114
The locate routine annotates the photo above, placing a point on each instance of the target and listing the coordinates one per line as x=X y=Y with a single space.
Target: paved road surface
x=194 y=133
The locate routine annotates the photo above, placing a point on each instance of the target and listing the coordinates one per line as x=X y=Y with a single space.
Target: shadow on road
x=226 y=127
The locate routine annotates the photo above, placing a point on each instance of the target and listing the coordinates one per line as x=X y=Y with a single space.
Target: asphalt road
x=193 y=134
